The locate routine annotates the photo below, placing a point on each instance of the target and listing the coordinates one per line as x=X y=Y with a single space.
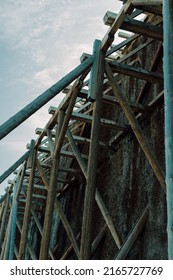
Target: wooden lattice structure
x=67 y=153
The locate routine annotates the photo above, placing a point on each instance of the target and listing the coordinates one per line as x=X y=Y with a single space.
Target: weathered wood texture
x=96 y=88
x=137 y=130
x=27 y=214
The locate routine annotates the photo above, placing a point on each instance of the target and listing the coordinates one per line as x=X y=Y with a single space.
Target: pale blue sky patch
x=40 y=42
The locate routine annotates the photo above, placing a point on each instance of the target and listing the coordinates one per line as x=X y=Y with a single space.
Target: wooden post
x=34 y=215
x=136 y=129
x=125 y=248
x=27 y=212
x=168 y=99
x=14 y=217
x=98 y=198
x=51 y=194
x=96 y=89
x=4 y=218
x=60 y=213
x=28 y=245
x=55 y=164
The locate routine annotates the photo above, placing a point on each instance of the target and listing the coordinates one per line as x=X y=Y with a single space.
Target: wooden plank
x=26 y=219
x=14 y=208
x=136 y=72
x=104 y=122
x=60 y=212
x=96 y=89
x=136 y=129
x=133 y=235
x=41 y=100
x=136 y=26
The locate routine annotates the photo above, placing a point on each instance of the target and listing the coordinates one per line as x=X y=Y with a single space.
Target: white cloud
x=42 y=40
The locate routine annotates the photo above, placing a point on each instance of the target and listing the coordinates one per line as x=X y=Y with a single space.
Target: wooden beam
x=104 y=122
x=109 y=37
x=41 y=100
x=47 y=226
x=153 y=68
x=107 y=217
x=60 y=213
x=26 y=219
x=98 y=199
x=136 y=129
x=136 y=72
x=14 y=216
x=96 y=89
x=4 y=218
x=136 y=26
x=133 y=235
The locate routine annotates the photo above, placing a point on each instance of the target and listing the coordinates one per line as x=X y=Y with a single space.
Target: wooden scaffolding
x=67 y=150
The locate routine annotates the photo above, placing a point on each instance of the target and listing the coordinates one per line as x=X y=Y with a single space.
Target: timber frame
x=62 y=154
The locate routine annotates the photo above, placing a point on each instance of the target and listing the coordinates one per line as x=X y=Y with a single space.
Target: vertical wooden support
x=168 y=99
x=28 y=246
x=98 y=198
x=4 y=218
x=55 y=164
x=51 y=193
x=27 y=212
x=136 y=129
x=6 y=244
x=61 y=214
x=16 y=191
x=96 y=89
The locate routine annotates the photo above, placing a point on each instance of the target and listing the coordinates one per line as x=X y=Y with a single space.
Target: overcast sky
x=40 y=42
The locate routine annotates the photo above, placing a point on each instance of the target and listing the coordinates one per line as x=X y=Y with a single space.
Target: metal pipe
x=42 y=99
x=168 y=99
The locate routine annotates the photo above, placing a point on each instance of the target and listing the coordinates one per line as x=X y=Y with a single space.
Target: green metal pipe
x=42 y=99
x=13 y=167
x=168 y=99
